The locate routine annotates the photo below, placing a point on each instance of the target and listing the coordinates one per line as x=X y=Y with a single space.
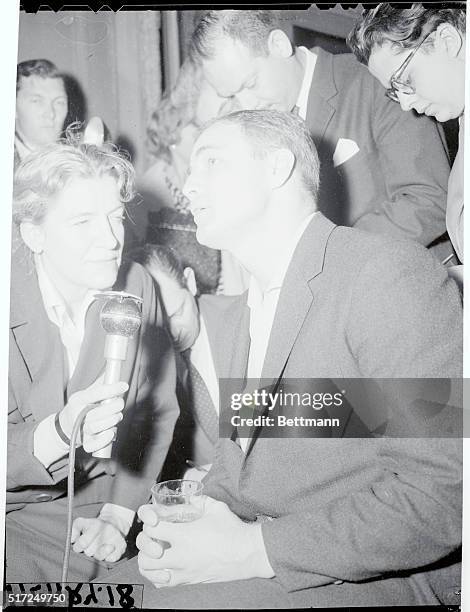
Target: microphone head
x=121 y=314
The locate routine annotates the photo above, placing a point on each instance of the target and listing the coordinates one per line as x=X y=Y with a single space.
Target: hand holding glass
x=178 y=501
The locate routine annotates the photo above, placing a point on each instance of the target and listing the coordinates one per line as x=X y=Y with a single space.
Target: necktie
x=201 y=402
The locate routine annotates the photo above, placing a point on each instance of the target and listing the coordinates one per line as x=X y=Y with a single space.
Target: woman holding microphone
x=68 y=207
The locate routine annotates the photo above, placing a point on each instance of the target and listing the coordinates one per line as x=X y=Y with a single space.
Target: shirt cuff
x=122 y=518
x=47 y=445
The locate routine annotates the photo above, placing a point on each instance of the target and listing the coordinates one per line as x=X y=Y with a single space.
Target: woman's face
x=81 y=237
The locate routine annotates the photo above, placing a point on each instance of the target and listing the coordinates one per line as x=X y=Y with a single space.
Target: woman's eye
x=212 y=161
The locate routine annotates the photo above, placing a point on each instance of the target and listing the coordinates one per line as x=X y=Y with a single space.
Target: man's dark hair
x=403 y=28
x=251 y=28
x=36 y=67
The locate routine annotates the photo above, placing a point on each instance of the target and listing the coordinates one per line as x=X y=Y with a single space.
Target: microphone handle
x=112 y=374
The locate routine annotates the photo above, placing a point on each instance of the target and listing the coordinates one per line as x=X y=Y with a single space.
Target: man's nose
x=107 y=235
x=49 y=111
x=231 y=105
x=406 y=100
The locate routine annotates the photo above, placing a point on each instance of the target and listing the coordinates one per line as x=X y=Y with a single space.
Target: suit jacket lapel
x=91 y=362
x=295 y=301
x=321 y=103
x=235 y=333
x=296 y=296
x=37 y=339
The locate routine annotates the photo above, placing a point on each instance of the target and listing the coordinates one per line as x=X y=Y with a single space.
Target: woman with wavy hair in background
x=172 y=131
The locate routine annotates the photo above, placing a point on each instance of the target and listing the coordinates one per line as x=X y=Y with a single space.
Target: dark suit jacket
x=191 y=441
x=397 y=183
x=37 y=389
x=352 y=305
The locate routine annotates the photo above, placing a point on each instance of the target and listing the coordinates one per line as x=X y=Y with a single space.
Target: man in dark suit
x=316 y=521
x=418 y=55
x=68 y=205
x=381 y=171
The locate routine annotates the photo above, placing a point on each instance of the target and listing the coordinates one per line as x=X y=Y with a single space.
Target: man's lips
x=104 y=259
x=197 y=212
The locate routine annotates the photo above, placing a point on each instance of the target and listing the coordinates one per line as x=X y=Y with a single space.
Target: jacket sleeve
x=25 y=473
x=24 y=469
x=405 y=321
x=146 y=431
x=415 y=171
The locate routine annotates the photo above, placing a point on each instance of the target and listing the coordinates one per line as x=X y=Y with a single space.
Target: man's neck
x=261 y=250
x=72 y=296
x=24 y=142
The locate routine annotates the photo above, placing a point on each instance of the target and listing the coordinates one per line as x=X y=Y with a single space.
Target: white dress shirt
x=47 y=445
x=302 y=100
x=201 y=358
x=262 y=305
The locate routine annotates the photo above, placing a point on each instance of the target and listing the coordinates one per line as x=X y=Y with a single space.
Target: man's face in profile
x=227 y=186
x=41 y=108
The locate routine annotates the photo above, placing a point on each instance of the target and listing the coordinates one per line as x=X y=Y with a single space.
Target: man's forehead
x=220 y=135
x=231 y=65
x=384 y=61
x=42 y=85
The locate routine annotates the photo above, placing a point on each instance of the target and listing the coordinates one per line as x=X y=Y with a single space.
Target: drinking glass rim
x=200 y=487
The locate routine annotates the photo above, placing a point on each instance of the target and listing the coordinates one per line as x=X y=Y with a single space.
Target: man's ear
x=279 y=44
x=190 y=280
x=449 y=40
x=33 y=236
x=282 y=164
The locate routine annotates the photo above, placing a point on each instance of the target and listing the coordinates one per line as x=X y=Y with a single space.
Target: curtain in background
x=114 y=61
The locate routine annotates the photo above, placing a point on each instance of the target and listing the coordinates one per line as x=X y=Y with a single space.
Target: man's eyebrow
x=208 y=147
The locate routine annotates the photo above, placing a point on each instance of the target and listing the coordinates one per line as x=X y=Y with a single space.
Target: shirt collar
x=23 y=149
x=54 y=303
x=302 y=100
x=255 y=292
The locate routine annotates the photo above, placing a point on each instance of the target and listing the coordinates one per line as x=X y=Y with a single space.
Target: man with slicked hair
x=346 y=518
x=382 y=171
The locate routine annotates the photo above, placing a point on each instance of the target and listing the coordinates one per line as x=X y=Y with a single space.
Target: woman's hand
x=99 y=427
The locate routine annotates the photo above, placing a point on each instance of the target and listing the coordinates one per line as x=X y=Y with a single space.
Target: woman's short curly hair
x=43 y=174
x=176 y=109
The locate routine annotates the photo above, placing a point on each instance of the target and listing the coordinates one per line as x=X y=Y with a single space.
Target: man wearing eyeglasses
x=418 y=55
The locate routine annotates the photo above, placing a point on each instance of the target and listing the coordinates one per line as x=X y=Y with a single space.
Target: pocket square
x=345 y=149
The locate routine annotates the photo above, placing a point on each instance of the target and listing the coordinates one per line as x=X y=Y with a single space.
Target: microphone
x=120 y=318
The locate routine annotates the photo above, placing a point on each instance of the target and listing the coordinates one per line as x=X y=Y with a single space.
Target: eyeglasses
x=397 y=86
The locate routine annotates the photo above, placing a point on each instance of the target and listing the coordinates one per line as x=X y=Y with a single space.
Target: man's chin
x=207 y=238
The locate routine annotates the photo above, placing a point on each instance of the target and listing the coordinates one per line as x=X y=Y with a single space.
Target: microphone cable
x=70 y=489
